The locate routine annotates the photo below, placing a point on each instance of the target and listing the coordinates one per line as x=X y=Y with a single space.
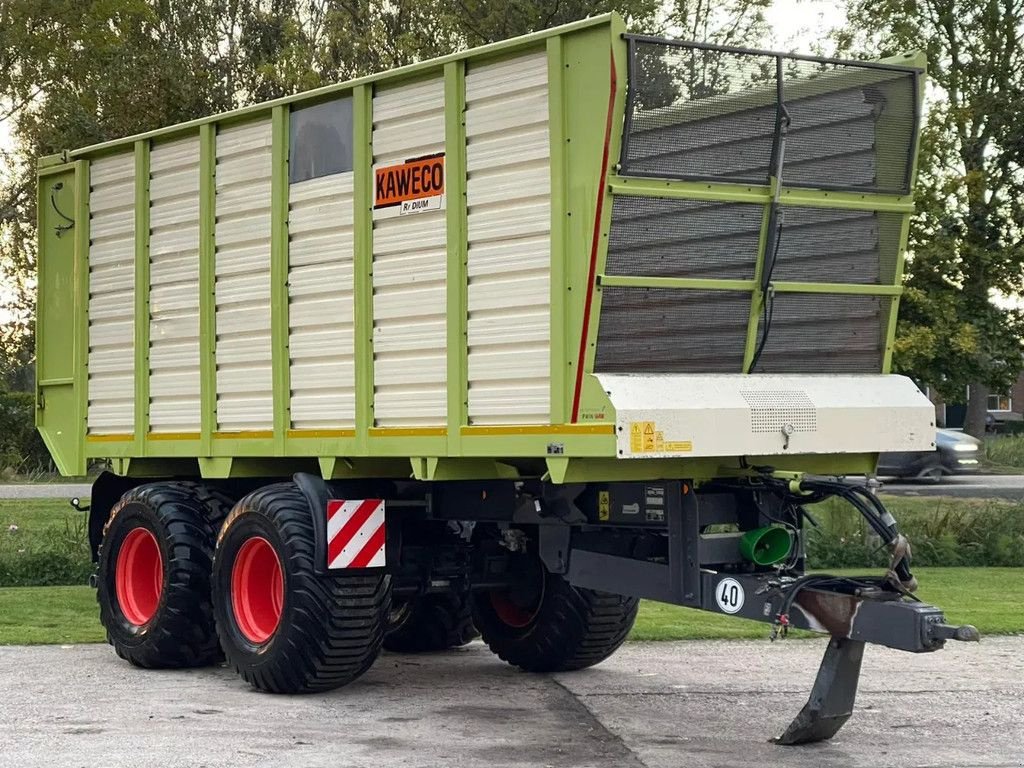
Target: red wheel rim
x=510 y=613
x=139 y=576
x=257 y=590
x=518 y=607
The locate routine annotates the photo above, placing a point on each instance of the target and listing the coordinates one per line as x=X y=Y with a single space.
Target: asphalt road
x=659 y=705
x=45 y=491
x=1009 y=487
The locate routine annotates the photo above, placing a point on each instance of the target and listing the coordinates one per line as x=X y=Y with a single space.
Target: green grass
x=992 y=599
x=34 y=516
x=989 y=598
x=35 y=615
x=43 y=542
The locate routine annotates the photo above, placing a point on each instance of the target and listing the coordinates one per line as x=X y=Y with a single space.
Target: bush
x=47 y=544
x=55 y=555
x=942 y=532
x=1005 y=450
x=21 y=448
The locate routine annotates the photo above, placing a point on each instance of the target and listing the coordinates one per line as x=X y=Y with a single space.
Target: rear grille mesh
x=705 y=112
x=825 y=333
x=827 y=245
x=683 y=238
x=666 y=330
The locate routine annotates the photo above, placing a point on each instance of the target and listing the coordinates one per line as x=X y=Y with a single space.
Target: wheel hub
x=519 y=605
x=139 y=576
x=257 y=590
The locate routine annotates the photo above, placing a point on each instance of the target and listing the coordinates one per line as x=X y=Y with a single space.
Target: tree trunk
x=977 y=410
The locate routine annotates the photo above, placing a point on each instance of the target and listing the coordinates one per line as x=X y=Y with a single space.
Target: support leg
x=831 y=701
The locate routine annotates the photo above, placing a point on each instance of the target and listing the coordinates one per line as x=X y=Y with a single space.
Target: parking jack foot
x=832 y=697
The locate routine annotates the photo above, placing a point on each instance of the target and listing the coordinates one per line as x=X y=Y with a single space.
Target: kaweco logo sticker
x=415 y=186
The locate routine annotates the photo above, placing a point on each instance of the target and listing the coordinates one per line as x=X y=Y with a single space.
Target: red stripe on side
x=593 y=249
x=333 y=506
x=351 y=528
x=369 y=550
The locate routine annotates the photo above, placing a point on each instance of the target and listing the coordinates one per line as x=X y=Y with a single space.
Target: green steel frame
x=586 y=104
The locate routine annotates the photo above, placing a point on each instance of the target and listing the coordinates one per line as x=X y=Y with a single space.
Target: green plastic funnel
x=766 y=546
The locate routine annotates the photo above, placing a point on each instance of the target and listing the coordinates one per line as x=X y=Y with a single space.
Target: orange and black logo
x=416 y=179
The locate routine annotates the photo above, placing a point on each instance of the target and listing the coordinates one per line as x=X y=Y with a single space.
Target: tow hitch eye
x=964 y=632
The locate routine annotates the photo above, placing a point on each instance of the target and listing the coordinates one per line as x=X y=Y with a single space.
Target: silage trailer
x=499 y=342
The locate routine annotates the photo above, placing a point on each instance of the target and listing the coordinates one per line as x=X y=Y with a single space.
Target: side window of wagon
x=320 y=140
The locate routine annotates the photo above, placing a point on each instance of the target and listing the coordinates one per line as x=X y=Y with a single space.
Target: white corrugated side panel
x=244 y=376
x=508 y=194
x=321 y=312
x=409 y=262
x=174 y=287
x=112 y=295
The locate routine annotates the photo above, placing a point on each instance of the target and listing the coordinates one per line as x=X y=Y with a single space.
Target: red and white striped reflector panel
x=355 y=533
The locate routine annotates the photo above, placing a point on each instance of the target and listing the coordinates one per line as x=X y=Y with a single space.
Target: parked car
x=955 y=453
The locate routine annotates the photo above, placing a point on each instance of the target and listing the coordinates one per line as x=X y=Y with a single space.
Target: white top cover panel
x=409 y=267
x=244 y=375
x=681 y=416
x=321 y=309
x=112 y=295
x=174 y=286
x=509 y=223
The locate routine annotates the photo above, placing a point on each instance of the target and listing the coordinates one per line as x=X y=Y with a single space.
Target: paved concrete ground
x=658 y=705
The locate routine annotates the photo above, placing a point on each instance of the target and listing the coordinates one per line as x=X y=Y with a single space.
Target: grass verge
x=43 y=542
x=989 y=598
x=37 y=615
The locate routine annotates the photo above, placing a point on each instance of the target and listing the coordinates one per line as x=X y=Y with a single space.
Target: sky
x=797 y=24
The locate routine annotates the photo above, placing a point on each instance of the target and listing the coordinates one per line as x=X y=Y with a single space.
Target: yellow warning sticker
x=604 y=505
x=681 y=446
x=636 y=435
x=644 y=437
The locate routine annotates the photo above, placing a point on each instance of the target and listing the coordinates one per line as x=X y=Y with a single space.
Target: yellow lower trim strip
x=542 y=429
x=251 y=434
x=321 y=433
x=408 y=431
x=109 y=438
x=172 y=436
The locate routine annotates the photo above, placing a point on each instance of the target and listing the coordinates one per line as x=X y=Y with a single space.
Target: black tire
x=562 y=627
x=329 y=629
x=431 y=623
x=182 y=519
x=932 y=473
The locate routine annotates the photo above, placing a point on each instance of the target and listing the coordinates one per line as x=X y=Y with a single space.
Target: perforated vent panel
x=665 y=330
x=703 y=112
x=683 y=238
x=775 y=410
x=825 y=333
x=834 y=246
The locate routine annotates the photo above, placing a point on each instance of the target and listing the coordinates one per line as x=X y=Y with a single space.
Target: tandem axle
x=550 y=575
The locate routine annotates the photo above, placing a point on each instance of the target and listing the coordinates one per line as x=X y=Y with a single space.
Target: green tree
x=965 y=242
x=77 y=72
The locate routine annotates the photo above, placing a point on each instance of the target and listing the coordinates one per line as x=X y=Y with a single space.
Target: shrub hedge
x=21 y=449
x=943 y=532
x=54 y=555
